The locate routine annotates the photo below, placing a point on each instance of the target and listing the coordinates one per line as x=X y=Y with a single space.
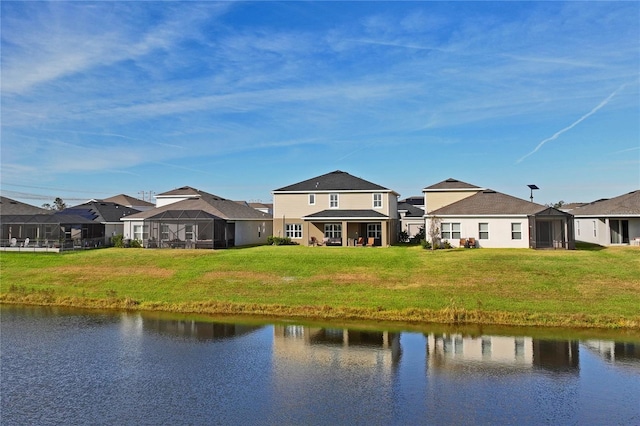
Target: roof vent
x=488 y=191
x=450 y=180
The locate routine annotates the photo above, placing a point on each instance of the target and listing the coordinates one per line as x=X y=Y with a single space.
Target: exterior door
x=543 y=234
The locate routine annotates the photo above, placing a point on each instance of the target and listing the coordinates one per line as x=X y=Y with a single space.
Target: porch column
x=384 y=231
x=345 y=236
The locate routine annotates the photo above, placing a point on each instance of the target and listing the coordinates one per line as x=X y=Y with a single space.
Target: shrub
x=280 y=241
x=403 y=237
x=117 y=241
x=135 y=244
x=425 y=244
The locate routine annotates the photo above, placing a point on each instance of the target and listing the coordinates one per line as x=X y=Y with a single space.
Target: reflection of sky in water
x=62 y=367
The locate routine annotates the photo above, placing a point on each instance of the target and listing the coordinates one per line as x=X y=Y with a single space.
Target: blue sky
x=241 y=98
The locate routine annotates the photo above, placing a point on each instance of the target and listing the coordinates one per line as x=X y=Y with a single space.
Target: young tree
x=434 y=231
x=59 y=204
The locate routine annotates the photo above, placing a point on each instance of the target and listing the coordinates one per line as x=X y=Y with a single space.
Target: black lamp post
x=532 y=187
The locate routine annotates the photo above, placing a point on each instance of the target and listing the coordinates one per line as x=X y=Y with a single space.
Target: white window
x=333 y=230
x=333 y=201
x=164 y=232
x=483 y=231
x=377 y=201
x=595 y=228
x=293 y=230
x=516 y=231
x=140 y=232
x=374 y=230
x=450 y=231
x=312 y=199
x=188 y=232
x=578 y=228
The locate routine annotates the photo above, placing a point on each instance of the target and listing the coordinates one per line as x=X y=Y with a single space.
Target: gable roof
x=623 y=205
x=100 y=211
x=489 y=202
x=207 y=203
x=187 y=191
x=412 y=211
x=126 y=200
x=13 y=207
x=451 y=184
x=334 y=181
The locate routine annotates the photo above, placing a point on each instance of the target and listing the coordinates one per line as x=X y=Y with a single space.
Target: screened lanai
x=50 y=231
x=188 y=229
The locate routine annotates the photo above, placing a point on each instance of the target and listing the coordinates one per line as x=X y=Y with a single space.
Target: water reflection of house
x=455 y=351
x=624 y=353
x=196 y=330
x=342 y=346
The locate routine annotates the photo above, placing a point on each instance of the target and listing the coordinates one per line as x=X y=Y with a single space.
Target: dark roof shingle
x=334 y=181
x=626 y=204
x=489 y=202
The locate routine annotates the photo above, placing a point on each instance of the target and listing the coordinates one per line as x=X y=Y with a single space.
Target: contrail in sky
x=574 y=124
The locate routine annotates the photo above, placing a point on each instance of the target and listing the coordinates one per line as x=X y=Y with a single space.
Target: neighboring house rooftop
x=188 y=191
x=100 y=211
x=334 y=181
x=127 y=201
x=13 y=207
x=623 y=205
x=489 y=202
x=208 y=203
x=412 y=210
x=450 y=184
x=415 y=200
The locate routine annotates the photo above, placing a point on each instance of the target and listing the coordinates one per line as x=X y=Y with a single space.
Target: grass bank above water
x=581 y=288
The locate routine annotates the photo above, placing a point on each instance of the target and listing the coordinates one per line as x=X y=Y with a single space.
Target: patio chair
x=315 y=242
x=360 y=242
x=371 y=241
x=463 y=243
x=13 y=243
x=472 y=243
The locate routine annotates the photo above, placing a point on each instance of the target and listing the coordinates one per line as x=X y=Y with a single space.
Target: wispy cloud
x=574 y=124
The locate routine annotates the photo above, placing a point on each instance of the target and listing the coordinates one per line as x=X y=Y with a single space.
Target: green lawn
x=498 y=286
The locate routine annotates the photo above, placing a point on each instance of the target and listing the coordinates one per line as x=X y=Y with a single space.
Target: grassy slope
x=524 y=287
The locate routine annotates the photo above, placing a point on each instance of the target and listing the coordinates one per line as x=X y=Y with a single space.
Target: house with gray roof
x=469 y=215
x=610 y=221
x=336 y=209
x=26 y=227
x=107 y=214
x=190 y=218
x=128 y=201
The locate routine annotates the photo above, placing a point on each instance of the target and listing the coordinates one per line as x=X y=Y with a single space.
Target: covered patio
x=551 y=228
x=349 y=228
x=188 y=229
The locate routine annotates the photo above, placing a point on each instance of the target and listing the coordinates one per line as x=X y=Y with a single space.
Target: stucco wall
x=253 y=232
x=436 y=200
x=499 y=231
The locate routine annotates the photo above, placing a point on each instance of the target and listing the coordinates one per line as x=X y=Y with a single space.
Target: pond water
x=79 y=367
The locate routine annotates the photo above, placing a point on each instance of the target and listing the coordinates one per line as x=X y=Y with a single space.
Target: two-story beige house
x=336 y=209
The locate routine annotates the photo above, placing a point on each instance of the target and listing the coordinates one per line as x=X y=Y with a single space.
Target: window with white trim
x=293 y=230
x=188 y=232
x=333 y=201
x=377 y=201
x=516 y=231
x=140 y=232
x=312 y=199
x=374 y=230
x=164 y=232
x=578 y=228
x=595 y=229
x=333 y=230
x=483 y=231
x=450 y=231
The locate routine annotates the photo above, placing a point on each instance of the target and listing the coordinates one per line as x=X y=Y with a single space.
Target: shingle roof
x=451 y=184
x=100 y=211
x=187 y=191
x=334 y=181
x=37 y=219
x=347 y=214
x=13 y=207
x=412 y=211
x=626 y=204
x=489 y=202
x=125 y=200
x=208 y=203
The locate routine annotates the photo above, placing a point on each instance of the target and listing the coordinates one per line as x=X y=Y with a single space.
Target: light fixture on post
x=532 y=187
